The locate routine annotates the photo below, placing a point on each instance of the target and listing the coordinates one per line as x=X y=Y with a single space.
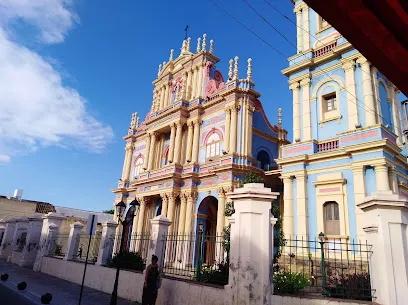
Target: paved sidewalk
x=63 y=292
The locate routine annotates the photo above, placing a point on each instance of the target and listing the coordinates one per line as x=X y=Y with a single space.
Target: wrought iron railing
x=336 y=268
x=83 y=242
x=198 y=257
x=59 y=245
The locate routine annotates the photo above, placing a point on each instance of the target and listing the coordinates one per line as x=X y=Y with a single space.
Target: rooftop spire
x=230 y=69
x=236 y=68
x=280 y=117
x=211 y=46
x=188 y=44
x=204 y=47
x=160 y=67
x=198 y=44
x=171 y=55
x=249 y=71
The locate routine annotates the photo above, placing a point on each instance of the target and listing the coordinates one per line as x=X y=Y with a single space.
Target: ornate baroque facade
x=203 y=133
x=347 y=131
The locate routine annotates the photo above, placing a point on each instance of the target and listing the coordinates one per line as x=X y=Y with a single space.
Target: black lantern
x=120 y=209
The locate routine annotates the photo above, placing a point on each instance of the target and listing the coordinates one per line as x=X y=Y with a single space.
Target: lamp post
x=124 y=221
x=200 y=245
x=322 y=242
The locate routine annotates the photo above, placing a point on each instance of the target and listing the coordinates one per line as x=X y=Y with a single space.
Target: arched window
x=138 y=167
x=264 y=161
x=213 y=146
x=331 y=218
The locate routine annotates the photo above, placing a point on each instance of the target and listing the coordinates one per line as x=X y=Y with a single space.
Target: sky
x=73 y=71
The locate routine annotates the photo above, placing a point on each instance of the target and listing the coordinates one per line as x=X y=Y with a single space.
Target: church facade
x=204 y=132
x=348 y=142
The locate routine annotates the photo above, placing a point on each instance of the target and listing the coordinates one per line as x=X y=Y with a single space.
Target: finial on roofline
x=249 y=71
x=204 y=47
x=158 y=72
x=171 y=55
x=280 y=117
x=188 y=44
x=236 y=68
x=134 y=123
x=198 y=45
x=230 y=69
x=184 y=46
x=211 y=46
x=164 y=63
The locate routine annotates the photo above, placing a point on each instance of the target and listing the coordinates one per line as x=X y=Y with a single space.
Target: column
x=307 y=125
x=359 y=197
x=142 y=212
x=177 y=145
x=194 y=83
x=299 y=32
x=288 y=210
x=367 y=92
x=190 y=211
x=394 y=180
x=220 y=211
x=189 y=141
x=128 y=160
x=374 y=79
x=381 y=176
x=164 y=204
x=227 y=129
x=302 y=217
x=162 y=93
x=396 y=113
x=147 y=150
x=73 y=240
x=296 y=111
x=306 y=28
x=249 y=129
x=196 y=141
x=244 y=128
x=171 y=209
x=152 y=150
x=199 y=81
x=188 y=86
x=233 y=135
x=352 y=107
x=251 y=244
x=166 y=95
x=183 y=209
x=105 y=245
x=170 y=157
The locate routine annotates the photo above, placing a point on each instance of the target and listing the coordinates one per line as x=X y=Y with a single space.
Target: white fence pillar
x=160 y=227
x=107 y=241
x=32 y=241
x=5 y=245
x=72 y=250
x=250 y=273
x=18 y=240
x=385 y=223
x=50 y=227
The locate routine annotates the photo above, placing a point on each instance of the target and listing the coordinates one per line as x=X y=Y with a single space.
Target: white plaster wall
x=286 y=300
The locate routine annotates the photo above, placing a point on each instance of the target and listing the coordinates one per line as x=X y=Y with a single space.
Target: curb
x=36 y=299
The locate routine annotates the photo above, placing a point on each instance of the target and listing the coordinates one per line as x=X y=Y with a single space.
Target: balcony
x=327 y=146
x=324 y=50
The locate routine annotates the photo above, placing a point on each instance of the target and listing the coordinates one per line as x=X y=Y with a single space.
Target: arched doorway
x=264 y=160
x=207 y=219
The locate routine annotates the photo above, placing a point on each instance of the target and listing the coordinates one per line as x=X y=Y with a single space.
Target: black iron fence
x=85 y=242
x=335 y=268
x=197 y=257
x=59 y=245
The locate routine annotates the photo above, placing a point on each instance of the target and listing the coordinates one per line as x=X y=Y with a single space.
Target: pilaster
x=288 y=210
x=147 y=151
x=307 y=128
x=349 y=68
x=367 y=91
x=296 y=111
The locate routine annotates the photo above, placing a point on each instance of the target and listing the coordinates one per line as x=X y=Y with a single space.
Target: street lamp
x=322 y=242
x=124 y=221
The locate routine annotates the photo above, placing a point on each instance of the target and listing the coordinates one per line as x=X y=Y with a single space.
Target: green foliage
x=109 y=211
x=289 y=282
x=215 y=274
x=229 y=209
x=58 y=250
x=251 y=177
x=279 y=237
x=350 y=286
x=128 y=260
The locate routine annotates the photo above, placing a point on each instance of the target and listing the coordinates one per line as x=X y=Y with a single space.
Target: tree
x=109 y=211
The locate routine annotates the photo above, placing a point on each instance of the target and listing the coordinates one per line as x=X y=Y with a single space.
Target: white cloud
x=36 y=109
x=4 y=159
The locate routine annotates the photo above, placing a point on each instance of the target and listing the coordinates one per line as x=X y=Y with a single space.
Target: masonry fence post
x=251 y=252
x=5 y=248
x=32 y=241
x=385 y=223
x=73 y=245
x=21 y=227
x=107 y=241
x=160 y=227
x=50 y=227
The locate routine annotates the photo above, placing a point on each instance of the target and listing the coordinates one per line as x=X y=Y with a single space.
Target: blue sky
x=71 y=82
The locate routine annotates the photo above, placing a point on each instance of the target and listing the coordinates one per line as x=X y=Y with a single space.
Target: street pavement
x=63 y=292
